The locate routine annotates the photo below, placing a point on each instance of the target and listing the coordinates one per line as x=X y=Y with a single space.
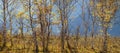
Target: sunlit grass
x=26 y=45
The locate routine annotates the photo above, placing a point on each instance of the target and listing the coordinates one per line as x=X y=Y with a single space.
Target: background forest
x=59 y=26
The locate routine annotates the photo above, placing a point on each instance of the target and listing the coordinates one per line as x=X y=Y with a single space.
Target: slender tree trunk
x=33 y=32
x=10 y=20
x=77 y=38
x=62 y=38
x=85 y=39
x=22 y=28
x=10 y=25
x=4 y=23
x=43 y=37
x=48 y=35
x=105 y=40
x=92 y=34
x=35 y=42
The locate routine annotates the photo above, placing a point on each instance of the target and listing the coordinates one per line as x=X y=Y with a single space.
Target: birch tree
x=105 y=11
x=64 y=10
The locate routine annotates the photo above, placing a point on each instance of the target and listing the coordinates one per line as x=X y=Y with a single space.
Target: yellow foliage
x=8 y=44
x=37 y=2
x=104 y=10
x=91 y=3
x=19 y=14
x=105 y=25
x=107 y=18
x=40 y=1
x=99 y=4
x=49 y=7
x=26 y=16
x=101 y=31
x=53 y=14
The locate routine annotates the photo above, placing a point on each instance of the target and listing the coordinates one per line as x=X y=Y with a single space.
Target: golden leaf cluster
x=104 y=9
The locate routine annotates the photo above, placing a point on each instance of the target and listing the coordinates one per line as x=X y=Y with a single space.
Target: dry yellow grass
x=26 y=45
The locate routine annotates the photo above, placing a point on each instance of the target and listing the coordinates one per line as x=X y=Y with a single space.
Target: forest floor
x=16 y=44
